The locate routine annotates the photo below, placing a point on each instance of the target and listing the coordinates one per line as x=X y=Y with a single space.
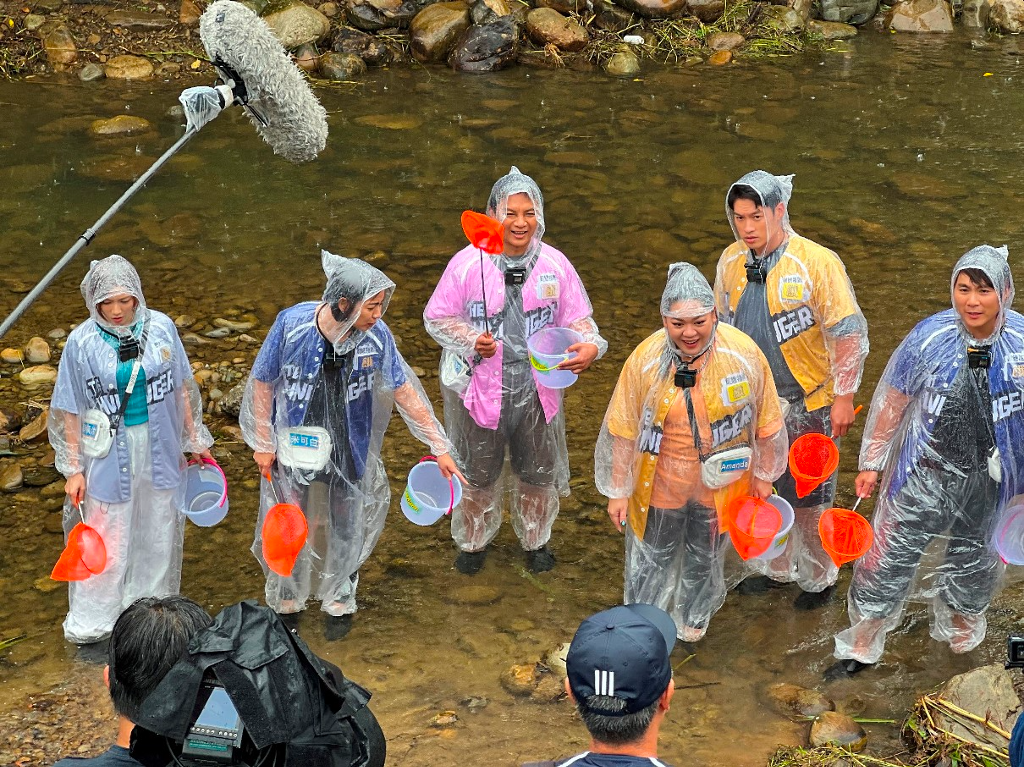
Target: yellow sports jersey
x=734 y=403
x=808 y=292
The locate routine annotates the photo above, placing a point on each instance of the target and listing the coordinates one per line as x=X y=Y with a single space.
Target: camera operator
x=148 y=639
x=250 y=692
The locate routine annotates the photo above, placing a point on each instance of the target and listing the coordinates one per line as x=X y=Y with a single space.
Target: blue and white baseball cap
x=622 y=653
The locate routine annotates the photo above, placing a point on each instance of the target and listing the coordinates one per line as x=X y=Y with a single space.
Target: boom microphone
x=280 y=102
x=255 y=73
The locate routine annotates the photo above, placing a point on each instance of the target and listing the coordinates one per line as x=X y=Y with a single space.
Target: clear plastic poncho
x=945 y=431
x=659 y=444
x=798 y=305
x=501 y=402
x=319 y=398
x=132 y=464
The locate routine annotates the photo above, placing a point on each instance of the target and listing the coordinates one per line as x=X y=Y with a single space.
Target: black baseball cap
x=622 y=653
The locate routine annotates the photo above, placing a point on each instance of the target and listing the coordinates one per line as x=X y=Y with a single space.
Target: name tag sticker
x=791 y=288
x=735 y=388
x=547 y=287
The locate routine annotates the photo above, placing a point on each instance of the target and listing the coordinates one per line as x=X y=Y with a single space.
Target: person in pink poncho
x=492 y=396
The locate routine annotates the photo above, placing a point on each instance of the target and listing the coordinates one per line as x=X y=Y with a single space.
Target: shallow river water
x=906 y=153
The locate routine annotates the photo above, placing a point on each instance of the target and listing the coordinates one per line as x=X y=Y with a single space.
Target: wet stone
x=33 y=21
x=40 y=476
x=341 y=66
x=57 y=334
x=550 y=689
x=184 y=321
x=60 y=47
x=554 y=659
x=45 y=585
x=1007 y=16
x=11 y=477
x=435 y=30
x=53 y=490
x=842 y=730
x=708 y=11
x=921 y=16
x=38 y=375
x=831 y=30
x=218 y=333
x=623 y=63
x=11 y=356
x=36 y=428
x=139 y=21
x=444 y=719
x=121 y=125
x=189 y=13
x=367 y=47
x=546 y=26
x=988 y=693
x=297 y=24
x=718 y=58
x=390 y=122
x=473 y=595
x=238 y=327
x=486 y=47
x=10 y=420
x=128 y=68
x=306 y=57
x=792 y=700
x=654 y=9
x=725 y=41
x=520 y=679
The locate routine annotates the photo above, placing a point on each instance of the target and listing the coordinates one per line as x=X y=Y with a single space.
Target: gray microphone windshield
x=280 y=102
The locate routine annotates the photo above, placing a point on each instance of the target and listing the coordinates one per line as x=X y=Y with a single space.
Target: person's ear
x=780 y=210
x=666 y=697
x=106 y=676
x=343 y=306
x=568 y=690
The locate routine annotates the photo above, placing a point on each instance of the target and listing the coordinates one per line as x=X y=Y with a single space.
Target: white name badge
x=304 y=447
x=724 y=468
x=96 y=435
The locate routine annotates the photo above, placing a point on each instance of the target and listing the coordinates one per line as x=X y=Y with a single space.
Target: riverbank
x=336 y=41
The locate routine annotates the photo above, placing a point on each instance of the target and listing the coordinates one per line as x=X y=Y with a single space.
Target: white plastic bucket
x=781 y=537
x=547 y=349
x=1009 y=537
x=428 y=495
x=206 y=493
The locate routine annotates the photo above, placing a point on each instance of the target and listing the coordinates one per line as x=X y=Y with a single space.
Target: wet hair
x=744 y=192
x=977 y=276
x=614 y=730
x=148 y=639
x=338 y=314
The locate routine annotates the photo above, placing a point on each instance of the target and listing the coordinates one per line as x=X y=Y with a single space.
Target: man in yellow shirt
x=795 y=300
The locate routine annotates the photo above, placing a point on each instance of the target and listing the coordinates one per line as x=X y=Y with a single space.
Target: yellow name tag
x=737 y=392
x=792 y=291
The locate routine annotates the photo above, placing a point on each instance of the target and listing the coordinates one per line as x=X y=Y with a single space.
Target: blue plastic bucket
x=206 y=493
x=428 y=494
x=547 y=349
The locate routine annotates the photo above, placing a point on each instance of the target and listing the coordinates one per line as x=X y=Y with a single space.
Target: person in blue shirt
x=124 y=410
x=945 y=432
x=316 y=406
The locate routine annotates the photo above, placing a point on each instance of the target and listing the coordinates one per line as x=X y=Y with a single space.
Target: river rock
x=60 y=47
x=472 y=595
x=708 y=11
x=218 y=333
x=341 y=66
x=367 y=47
x=839 y=729
x=550 y=688
x=306 y=57
x=37 y=351
x=563 y=6
x=486 y=47
x=297 y=23
x=654 y=9
x=330 y=10
x=238 y=326
x=10 y=420
x=435 y=30
x=486 y=11
x=554 y=659
x=974 y=14
x=53 y=490
x=725 y=41
x=33 y=21
x=138 y=21
x=792 y=700
x=848 y=11
x=785 y=19
x=1007 y=16
x=11 y=356
x=611 y=17
x=718 y=58
x=444 y=719
x=547 y=26
x=122 y=125
x=921 y=16
x=231 y=403
x=39 y=476
x=986 y=692
x=36 y=428
x=91 y=72
x=128 y=68
x=38 y=375
x=374 y=15
x=520 y=679
x=189 y=13
x=622 y=63
x=833 y=30
x=11 y=477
